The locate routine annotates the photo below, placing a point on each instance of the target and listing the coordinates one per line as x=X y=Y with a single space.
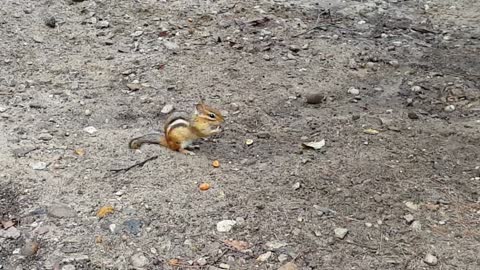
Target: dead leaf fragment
x=105 y=211
x=174 y=262
x=98 y=239
x=204 y=186
x=237 y=244
x=314 y=145
x=80 y=152
x=371 y=131
x=216 y=163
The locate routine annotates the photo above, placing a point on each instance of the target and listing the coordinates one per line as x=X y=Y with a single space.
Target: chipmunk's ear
x=200 y=107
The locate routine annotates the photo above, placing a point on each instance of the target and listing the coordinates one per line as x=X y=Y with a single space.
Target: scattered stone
x=394 y=63
x=353 y=91
x=137 y=33
x=3 y=109
x=225 y=225
x=139 y=260
x=51 y=22
x=430 y=259
x=88 y=112
x=30 y=248
x=202 y=261
x=133 y=226
x=412 y=115
x=409 y=218
x=296 y=186
x=45 y=137
x=274 y=245
x=76 y=258
x=291 y=56
x=416 y=226
x=224 y=266
x=90 y=130
x=172 y=46
x=168 y=108
x=68 y=267
x=340 y=233
x=113 y=228
x=314 y=98
x=412 y=205
x=449 y=108
x=39 y=166
x=267 y=57
x=61 y=211
x=38 y=39
x=264 y=257
x=134 y=86
x=352 y=64
x=282 y=258
x=368 y=224
x=416 y=88
x=103 y=24
x=294 y=48
x=289 y=266
x=10 y=233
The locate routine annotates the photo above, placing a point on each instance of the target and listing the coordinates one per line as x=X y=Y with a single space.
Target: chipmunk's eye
x=211 y=115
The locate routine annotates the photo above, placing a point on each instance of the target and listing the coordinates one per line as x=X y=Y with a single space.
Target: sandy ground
x=396 y=185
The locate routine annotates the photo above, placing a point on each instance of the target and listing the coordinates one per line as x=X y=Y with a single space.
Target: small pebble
x=294 y=48
x=202 y=261
x=90 y=130
x=39 y=166
x=167 y=109
x=416 y=88
x=314 y=98
x=51 y=22
x=368 y=224
x=103 y=24
x=416 y=226
x=224 y=266
x=45 y=137
x=225 y=225
x=248 y=141
x=412 y=115
x=289 y=266
x=30 y=248
x=353 y=91
x=340 y=233
x=134 y=86
x=68 y=267
x=409 y=218
x=296 y=186
x=282 y=258
x=88 y=112
x=139 y=260
x=264 y=257
x=450 y=108
x=430 y=259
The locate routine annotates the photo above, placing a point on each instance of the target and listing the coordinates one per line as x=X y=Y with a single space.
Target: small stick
x=139 y=164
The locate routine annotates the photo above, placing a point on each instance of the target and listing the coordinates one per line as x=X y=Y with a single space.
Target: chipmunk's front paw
x=186 y=152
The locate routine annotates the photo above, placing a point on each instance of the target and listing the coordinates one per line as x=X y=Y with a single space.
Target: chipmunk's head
x=207 y=120
x=213 y=116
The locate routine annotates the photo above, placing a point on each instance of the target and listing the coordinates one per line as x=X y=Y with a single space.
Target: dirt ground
x=396 y=186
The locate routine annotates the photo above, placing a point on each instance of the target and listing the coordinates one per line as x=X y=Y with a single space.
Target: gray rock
x=45 y=137
x=10 y=233
x=225 y=225
x=264 y=257
x=416 y=226
x=3 y=109
x=61 y=211
x=68 y=267
x=168 y=108
x=274 y=245
x=51 y=22
x=202 y=261
x=172 y=46
x=134 y=86
x=103 y=24
x=340 y=233
x=450 y=108
x=409 y=218
x=294 y=48
x=76 y=258
x=139 y=260
x=289 y=266
x=224 y=266
x=430 y=259
x=314 y=98
x=282 y=258
x=353 y=91
x=90 y=130
x=137 y=33
x=39 y=166
x=30 y=248
x=133 y=226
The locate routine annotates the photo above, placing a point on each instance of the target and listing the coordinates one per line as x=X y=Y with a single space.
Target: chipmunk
x=180 y=132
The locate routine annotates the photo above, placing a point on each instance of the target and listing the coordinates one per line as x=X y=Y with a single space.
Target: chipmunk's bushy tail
x=151 y=138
